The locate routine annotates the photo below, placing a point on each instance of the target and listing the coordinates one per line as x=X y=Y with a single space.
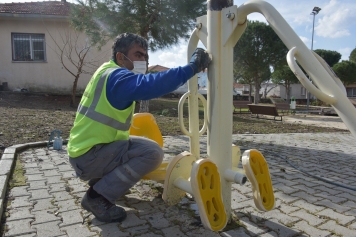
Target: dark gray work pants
x=120 y=165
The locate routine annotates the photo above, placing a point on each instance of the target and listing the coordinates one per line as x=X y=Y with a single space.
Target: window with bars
x=351 y=92
x=28 y=47
x=302 y=91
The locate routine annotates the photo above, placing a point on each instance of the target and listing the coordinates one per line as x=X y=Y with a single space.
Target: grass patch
x=18 y=176
x=234 y=223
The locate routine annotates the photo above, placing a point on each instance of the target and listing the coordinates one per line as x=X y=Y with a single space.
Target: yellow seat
x=144 y=125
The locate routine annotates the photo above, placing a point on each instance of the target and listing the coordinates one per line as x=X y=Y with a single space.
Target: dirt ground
x=316 y=120
x=28 y=117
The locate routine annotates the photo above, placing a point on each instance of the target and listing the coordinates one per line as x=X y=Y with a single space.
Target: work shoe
x=102 y=209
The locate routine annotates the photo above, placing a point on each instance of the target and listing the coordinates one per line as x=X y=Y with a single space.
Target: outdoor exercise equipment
x=209 y=180
x=218 y=31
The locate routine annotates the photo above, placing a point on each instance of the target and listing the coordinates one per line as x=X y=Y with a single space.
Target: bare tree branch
x=72 y=53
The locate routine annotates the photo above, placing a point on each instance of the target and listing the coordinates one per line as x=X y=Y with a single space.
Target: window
x=351 y=92
x=28 y=47
x=302 y=91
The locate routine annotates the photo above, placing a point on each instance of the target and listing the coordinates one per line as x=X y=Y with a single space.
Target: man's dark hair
x=125 y=41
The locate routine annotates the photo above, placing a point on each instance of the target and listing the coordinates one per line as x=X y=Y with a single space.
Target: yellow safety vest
x=97 y=121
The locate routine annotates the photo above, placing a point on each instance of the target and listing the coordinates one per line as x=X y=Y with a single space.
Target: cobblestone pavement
x=49 y=205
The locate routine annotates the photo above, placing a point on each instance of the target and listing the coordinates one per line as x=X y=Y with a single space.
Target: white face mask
x=140 y=67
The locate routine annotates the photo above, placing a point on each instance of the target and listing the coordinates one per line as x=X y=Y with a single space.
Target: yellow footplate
x=256 y=169
x=205 y=181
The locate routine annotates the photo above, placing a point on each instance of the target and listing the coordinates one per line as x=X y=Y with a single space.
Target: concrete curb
x=7 y=163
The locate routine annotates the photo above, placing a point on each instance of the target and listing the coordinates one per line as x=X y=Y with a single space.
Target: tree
x=73 y=52
x=346 y=71
x=353 y=55
x=283 y=75
x=331 y=57
x=258 y=49
x=267 y=89
x=241 y=76
x=162 y=22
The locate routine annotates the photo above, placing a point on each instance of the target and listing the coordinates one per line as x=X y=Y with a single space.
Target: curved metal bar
x=193 y=109
x=205 y=125
x=321 y=77
x=331 y=72
x=180 y=114
x=305 y=57
x=305 y=81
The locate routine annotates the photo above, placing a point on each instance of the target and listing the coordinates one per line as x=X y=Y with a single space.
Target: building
x=33 y=37
x=273 y=90
x=157 y=68
x=351 y=91
x=202 y=84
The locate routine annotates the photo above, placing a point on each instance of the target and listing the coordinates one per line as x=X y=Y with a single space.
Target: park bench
x=258 y=110
x=239 y=105
x=283 y=107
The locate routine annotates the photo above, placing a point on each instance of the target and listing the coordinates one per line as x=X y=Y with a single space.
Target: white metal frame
x=227 y=26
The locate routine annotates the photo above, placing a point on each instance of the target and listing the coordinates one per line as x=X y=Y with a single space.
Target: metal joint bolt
x=198 y=26
x=230 y=15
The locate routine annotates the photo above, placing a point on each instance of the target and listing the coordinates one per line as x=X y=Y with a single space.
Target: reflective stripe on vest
x=102 y=118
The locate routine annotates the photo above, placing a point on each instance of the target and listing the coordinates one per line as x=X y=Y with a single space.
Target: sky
x=335 y=27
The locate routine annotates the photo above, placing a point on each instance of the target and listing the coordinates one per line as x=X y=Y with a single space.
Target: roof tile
x=59 y=8
x=157 y=68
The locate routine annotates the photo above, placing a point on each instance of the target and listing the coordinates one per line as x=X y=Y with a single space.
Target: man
x=100 y=148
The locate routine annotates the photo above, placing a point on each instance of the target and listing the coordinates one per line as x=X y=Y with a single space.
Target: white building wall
x=48 y=76
x=296 y=91
x=280 y=91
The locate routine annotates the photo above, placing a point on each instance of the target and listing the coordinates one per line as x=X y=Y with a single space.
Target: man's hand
x=199 y=60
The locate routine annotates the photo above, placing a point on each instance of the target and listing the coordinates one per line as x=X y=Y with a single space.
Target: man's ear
x=120 y=59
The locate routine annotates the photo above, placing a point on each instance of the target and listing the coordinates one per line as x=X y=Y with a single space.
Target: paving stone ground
x=49 y=204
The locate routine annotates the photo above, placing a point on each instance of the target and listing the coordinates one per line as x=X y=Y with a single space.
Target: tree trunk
x=249 y=93
x=257 y=93
x=268 y=90
x=288 y=92
x=74 y=90
x=144 y=106
x=265 y=92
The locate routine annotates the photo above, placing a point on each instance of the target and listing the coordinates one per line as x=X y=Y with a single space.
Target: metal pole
x=219 y=137
x=308 y=93
x=314 y=12
x=313 y=30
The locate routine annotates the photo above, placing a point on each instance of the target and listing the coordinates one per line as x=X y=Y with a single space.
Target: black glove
x=199 y=60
